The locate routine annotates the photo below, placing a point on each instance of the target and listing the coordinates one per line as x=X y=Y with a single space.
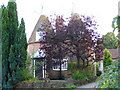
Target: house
x=114 y=53
x=38 y=55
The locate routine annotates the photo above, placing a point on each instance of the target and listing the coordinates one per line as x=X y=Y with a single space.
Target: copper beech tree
x=83 y=41
x=77 y=38
x=53 y=44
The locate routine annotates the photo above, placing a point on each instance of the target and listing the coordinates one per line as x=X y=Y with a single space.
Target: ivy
x=110 y=78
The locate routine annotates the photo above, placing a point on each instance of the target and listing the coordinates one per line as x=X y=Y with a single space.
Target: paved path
x=90 y=85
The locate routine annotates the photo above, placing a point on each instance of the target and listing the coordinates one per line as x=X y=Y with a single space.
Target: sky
x=103 y=10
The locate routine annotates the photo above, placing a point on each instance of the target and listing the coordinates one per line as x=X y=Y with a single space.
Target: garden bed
x=83 y=82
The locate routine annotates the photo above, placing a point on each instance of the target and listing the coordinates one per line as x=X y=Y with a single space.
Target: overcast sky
x=103 y=10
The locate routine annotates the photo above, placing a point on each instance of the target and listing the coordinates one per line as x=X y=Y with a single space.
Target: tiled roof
x=42 y=23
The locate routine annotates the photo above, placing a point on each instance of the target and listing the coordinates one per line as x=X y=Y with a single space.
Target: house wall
x=54 y=74
x=114 y=53
x=32 y=48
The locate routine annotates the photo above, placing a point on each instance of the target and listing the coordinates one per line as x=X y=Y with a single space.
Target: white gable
x=40 y=35
x=39 y=54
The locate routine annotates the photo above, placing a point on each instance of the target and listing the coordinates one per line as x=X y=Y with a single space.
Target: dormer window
x=40 y=35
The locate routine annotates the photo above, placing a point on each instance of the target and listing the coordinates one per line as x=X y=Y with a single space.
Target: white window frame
x=63 y=66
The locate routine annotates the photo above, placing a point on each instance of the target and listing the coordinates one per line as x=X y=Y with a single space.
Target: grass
x=72 y=86
x=33 y=80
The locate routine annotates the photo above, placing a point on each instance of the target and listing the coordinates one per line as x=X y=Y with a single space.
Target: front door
x=39 y=69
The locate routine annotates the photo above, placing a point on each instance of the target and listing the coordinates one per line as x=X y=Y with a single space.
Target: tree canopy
x=14 y=45
x=77 y=38
x=54 y=44
x=110 y=40
x=0 y=47
x=84 y=42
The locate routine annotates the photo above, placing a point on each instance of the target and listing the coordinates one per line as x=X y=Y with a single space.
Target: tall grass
x=81 y=74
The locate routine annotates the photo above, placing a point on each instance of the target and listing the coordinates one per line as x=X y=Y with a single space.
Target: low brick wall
x=53 y=83
x=54 y=74
x=48 y=84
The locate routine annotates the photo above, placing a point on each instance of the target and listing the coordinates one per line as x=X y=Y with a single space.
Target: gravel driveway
x=91 y=86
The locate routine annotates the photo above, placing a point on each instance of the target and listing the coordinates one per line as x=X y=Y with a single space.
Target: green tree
x=23 y=43
x=110 y=40
x=20 y=43
x=14 y=46
x=5 y=45
x=13 y=21
x=10 y=27
x=18 y=54
x=107 y=59
x=116 y=25
x=13 y=66
x=0 y=47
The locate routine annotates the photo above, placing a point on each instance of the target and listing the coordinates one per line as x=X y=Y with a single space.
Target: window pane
x=63 y=65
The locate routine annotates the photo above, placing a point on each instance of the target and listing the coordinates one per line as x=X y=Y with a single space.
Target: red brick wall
x=32 y=48
x=113 y=52
x=54 y=74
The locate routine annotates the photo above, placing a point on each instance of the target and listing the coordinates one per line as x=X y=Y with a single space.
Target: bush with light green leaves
x=111 y=77
x=107 y=59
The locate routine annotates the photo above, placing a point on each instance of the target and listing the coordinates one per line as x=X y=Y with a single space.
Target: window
x=63 y=64
x=40 y=35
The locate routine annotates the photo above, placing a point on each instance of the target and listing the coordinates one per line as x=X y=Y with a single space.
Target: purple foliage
x=78 y=38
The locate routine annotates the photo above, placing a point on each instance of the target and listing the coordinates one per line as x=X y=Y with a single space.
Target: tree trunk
x=83 y=63
x=60 y=70
x=87 y=62
x=61 y=58
x=78 y=61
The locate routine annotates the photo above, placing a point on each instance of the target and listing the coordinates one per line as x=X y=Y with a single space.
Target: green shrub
x=111 y=77
x=107 y=59
x=72 y=66
x=81 y=74
x=77 y=76
x=26 y=73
